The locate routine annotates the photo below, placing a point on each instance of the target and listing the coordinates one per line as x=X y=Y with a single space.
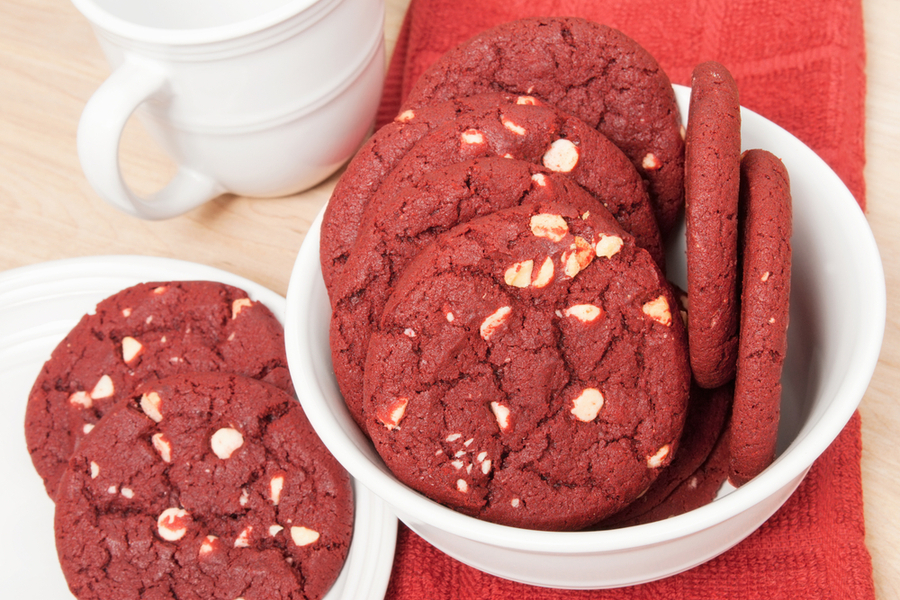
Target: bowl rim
x=792 y=464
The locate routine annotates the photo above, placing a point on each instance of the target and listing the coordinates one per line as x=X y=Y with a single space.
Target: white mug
x=259 y=98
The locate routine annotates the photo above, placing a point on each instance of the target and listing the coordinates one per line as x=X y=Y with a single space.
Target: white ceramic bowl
x=837 y=324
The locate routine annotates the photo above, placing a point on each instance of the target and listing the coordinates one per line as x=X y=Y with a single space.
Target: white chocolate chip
x=88 y=427
x=112 y=490
x=243 y=538
x=650 y=162
x=450 y=317
x=391 y=416
x=765 y=277
x=517 y=129
x=208 y=545
x=468 y=442
x=472 y=136
x=657 y=459
x=126 y=312
x=658 y=310
x=406 y=116
x=493 y=322
x=527 y=100
x=409 y=332
x=128 y=493
x=149 y=320
x=514 y=503
x=103 y=389
x=608 y=246
x=481 y=456
x=225 y=441
x=519 y=274
x=131 y=349
x=577 y=257
x=486 y=467
x=453 y=437
x=457 y=464
x=245 y=497
x=275 y=530
x=462 y=486
x=238 y=305
x=586 y=406
x=82 y=399
x=159 y=290
x=586 y=313
x=501 y=414
x=303 y=536
x=151 y=404
x=545 y=274
x=172 y=524
x=459 y=454
x=276 y=484
x=562 y=156
x=163 y=446
x=539 y=179
x=552 y=227
x=95 y=470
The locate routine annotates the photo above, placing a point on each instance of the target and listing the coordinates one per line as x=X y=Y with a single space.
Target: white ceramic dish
x=38 y=306
x=837 y=325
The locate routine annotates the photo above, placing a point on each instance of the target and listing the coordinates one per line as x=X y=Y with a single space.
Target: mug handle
x=100 y=131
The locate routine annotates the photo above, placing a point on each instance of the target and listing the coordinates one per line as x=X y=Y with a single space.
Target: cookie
x=402 y=220
x=486 y=125
x=203 y=485
x=588 y=70
x=712 y=175
x=766 y=224
x=373 y=162
x=527 y=369
x=687 y=482
x=146 y=331
x=698 y=490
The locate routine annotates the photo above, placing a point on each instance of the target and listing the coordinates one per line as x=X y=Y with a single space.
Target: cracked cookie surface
x=586 y=69
x=146 y=331
x=206 y=486
x=491 y=124
x=527 y=369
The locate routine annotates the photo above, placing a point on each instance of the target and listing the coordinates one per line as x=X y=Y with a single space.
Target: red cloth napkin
x=799 y=64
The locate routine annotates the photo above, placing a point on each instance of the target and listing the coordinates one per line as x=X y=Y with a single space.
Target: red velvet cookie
x=766 y=224
x=712 y=174
x=400 y=223
x=670 y=494
x=487 y=125
x=146 y=331
x=204 y=485
x=586 y=69
x=529 y=369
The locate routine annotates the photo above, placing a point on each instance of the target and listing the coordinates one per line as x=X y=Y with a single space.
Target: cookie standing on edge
x=712 y=177
x=204 y=485
x=591 y=71
x=766 y=217
x=146 y=331
x=401 y=221
x=529 y=369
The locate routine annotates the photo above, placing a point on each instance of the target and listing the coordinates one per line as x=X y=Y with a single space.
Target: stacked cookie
x=165 y=428
x=502 y=326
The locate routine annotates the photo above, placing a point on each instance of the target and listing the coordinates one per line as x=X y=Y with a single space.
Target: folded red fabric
x=802 y=66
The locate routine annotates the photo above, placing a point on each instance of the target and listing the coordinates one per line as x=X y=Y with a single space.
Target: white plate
x=38 y=306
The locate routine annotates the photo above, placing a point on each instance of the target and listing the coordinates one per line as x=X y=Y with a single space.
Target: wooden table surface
x=50 y=64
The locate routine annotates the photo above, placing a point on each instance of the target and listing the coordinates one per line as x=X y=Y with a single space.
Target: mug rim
x=100 y=17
